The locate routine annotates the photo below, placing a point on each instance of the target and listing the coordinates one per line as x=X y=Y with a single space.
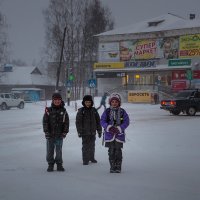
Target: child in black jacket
x=56 y=127
x=87 y=123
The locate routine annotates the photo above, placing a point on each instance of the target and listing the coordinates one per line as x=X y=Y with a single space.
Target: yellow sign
x=189 y=46
x=139 y=97
x=109 y=65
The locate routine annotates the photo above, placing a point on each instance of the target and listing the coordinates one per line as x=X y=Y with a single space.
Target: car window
x=197 y=95
x=7 y=96
x=184 y=94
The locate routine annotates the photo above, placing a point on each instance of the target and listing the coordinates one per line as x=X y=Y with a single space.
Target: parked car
x=9 y=100
x=187 y=101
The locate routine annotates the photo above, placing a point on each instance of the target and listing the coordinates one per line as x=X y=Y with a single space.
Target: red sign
x=179 y=85
x=179 y=75
x=196 y=74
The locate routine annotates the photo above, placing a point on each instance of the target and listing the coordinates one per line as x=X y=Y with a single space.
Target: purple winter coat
x=106 y=123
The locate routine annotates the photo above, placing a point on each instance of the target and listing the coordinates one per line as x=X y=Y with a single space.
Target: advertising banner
x=149 y=49
x=138 y=49
x=108 y=52
x=168 y=47
x=189 y=46
x=139 y=97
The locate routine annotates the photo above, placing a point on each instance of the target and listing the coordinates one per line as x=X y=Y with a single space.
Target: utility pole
x=60 y=63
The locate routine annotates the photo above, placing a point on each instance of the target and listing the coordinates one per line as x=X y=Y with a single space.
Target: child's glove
x=99 y=134
x=79 y=135
x=47 y=135
x=64 y=135
x=114 y=130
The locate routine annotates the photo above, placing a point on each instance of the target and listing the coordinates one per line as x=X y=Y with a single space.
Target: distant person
x=156 y=98
x=114 y=120
x=68 y=97
x=103 y=101
x=87 y=124
x=56 y=127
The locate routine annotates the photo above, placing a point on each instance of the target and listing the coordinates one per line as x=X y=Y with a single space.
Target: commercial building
x=154 y=56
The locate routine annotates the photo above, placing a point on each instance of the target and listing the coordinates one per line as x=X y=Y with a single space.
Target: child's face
x=88 y=104
x=114 y=103
x=57 y=102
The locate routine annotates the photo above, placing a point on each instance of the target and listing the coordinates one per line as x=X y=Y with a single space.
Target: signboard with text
x=179 y=62
x=189 y=46
x=110 y=74
x=139 y=96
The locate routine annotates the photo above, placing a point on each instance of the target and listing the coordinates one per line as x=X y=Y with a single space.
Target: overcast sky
x=26 y=22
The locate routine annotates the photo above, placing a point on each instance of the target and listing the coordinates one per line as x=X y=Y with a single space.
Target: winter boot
x=60 y=168
x=50 y=168
x=118 y=167
x=112 y=166
x=85 y=162
x=93 y=160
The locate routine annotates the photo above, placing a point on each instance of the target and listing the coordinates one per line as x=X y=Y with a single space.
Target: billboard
x=108 y=52
x=146 y=49
x=189 y=46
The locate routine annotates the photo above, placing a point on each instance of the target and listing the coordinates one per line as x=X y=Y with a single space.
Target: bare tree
x=4 y=53
x=82 y=19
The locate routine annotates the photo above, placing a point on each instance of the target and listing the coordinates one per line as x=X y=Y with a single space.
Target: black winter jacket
x=56 y=121
x=88 y=121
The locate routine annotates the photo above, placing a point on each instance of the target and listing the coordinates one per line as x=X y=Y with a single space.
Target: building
x=28 y=82
x=158 y=55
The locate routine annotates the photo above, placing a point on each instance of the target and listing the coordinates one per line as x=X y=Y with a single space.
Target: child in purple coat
x=114 y=120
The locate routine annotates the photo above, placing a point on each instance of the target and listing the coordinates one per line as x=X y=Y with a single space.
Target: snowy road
x=161 y=159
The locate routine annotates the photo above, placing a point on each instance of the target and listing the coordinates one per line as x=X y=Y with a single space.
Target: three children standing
x=114 y=121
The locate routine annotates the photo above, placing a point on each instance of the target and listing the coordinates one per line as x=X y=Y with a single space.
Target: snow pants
x=115 y=151
x=88 y=147
x=54 y=145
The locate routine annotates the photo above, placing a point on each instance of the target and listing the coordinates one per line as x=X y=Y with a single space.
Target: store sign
x=179 y=85
x=196 y=74
x=139 y=97
x=179 y=62
x=107 y=65
x=178 y=75
x=189 y=74
x=110 y=74
x=141 y=64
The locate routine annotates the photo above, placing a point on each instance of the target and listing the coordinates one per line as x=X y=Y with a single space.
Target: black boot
x=112 y=166
x=93 y=160
x=118 y=167
x=60 y=168
x=50 y=168
x=85 y=162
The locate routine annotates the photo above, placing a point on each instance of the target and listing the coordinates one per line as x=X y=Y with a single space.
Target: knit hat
x=56 y=95
x=115 y=96
x=87 y=98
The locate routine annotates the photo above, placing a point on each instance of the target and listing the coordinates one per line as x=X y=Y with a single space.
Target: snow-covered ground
x=161 y=159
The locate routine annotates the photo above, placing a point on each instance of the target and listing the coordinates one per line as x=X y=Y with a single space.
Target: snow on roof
x=28 y=75
x=161 y=23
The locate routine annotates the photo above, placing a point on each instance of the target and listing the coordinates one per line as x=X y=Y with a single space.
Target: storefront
x=151 y=60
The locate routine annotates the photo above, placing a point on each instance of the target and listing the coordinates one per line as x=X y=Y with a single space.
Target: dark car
x=187 y=101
